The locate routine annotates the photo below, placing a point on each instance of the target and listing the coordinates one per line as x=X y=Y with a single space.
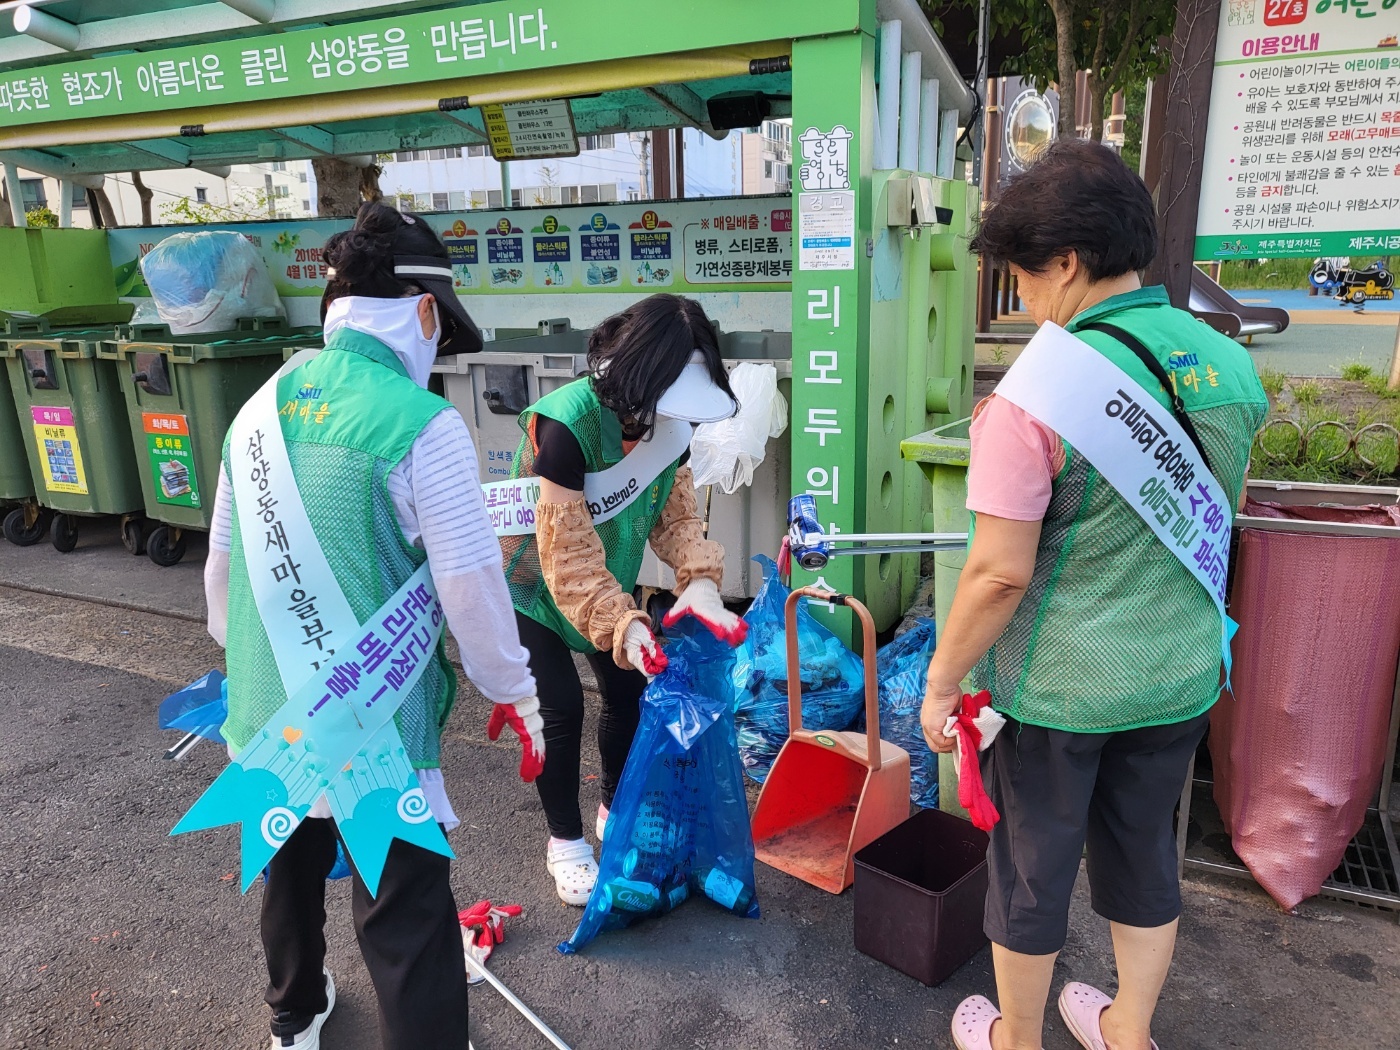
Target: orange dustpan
x=829 y=793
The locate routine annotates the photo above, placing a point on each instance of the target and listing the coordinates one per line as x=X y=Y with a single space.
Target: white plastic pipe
x=947 y=143
x=919 y=36
x=910 y=81
x=258 y=10
x=65 y=203
x=928 y=128
x=888 y=97
x=12 y=190
x=41 y=25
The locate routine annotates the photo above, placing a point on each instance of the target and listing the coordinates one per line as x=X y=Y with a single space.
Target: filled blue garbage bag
x=902 y=669
x=679 y=823
x=833 y=677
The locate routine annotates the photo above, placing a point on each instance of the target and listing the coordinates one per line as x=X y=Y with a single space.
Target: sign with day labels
x=60 y=455
x=531 y=130
x=1303 y=144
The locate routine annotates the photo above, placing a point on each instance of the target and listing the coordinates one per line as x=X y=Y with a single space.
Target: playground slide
x=1223 y=312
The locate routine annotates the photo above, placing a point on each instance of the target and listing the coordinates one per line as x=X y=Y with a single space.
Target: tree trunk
x=104 y=208
x=6 y=219
x=1064 y=58
x=147 y=195
x=341 y=187
x=1183 y=145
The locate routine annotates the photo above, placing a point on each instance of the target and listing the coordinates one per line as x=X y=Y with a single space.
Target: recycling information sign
x=1303 y=144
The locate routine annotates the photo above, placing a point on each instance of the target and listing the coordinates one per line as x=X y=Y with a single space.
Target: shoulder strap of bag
x=1154 y=366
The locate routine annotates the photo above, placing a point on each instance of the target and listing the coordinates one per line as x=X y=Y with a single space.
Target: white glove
x=701 y=600
x=642 y=651
x=988 y=722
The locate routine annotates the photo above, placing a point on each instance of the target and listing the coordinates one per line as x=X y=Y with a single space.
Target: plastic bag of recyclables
x=208 y=281
x=833 y=683
x=902 y=670
x=679 y=824
x=728 y=452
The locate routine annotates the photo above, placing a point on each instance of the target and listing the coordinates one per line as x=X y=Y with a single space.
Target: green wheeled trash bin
x=181 y=394
x=72 y=420
x=25 y=522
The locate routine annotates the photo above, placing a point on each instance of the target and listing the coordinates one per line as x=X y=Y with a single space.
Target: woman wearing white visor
x=610 y=451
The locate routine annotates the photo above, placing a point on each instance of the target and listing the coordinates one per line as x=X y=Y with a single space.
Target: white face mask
x=395 y=323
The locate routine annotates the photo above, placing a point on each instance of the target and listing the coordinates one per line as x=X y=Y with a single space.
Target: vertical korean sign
x=832 y=86
x=1303 y=144
x=172 y=458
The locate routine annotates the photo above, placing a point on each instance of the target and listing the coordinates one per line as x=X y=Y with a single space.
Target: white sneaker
x=601 y=826
x=309 y=1038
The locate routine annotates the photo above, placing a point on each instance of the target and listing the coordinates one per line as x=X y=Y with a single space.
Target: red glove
x=972 y=794
x=524 y=717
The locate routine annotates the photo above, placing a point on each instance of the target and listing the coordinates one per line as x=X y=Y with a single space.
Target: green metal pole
x=833 y=87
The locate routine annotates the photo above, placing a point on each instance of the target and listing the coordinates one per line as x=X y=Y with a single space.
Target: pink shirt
x=1015 y=458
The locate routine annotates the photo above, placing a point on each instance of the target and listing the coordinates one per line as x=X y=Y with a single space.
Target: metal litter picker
x=474 y=967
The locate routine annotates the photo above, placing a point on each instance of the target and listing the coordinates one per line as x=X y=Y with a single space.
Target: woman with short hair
x=1098 y=643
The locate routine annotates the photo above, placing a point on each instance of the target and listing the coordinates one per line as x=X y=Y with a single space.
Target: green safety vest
x=348 y=416
x=624 y=537
x=1113 y=633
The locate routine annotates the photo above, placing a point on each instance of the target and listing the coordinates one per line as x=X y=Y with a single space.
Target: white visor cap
x=694 y=397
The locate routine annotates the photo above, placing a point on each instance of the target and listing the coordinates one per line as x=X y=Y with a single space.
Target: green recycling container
x=72 y=421
x=181 y=394
x=944 y=454
x=26 y=522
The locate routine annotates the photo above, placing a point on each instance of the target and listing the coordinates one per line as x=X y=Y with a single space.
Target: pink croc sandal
x=1080 y=1006
x=972 y=1023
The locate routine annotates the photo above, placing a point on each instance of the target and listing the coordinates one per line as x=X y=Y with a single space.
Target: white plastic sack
x=727 y=453
x=207 y=281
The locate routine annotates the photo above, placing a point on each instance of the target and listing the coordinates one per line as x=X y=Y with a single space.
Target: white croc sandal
x=575 y=871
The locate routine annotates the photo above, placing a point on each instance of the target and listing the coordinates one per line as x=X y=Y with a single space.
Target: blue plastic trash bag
x=200 y=708
x=902 y=668
x=833 y=678
x=679 y=824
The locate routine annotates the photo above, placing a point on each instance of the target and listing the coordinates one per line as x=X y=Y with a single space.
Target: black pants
x=561 y=709
x=409 y=937
x=1059 y=792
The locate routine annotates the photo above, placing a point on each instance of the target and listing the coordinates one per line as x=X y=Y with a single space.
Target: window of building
x=279 y=165
x=588 y=142
x=493 y=198
x=476 y=151
x=768 y=168
x=301 y=175
x=31 y=193
x=588 y=194
x=456 y=201
x=405 y=202
x=608 y=192
x=440 y=202
x=478 y=199
x=305 y=204
x=568 y=194
x=80 y=198
x=517 y=198
x=634 y=195
x=281 y=191
x=201 y=194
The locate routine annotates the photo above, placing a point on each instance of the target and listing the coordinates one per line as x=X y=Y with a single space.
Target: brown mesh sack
x=1299 y=751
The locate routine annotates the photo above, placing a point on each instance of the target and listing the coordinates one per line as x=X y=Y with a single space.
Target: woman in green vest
x=1098 y=644
x=656 y=371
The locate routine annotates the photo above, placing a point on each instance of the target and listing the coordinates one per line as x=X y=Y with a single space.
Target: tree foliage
x=1119 y=42
x=41 y=216
x=246 y=206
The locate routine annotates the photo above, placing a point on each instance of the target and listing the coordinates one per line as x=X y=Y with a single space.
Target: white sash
x=511 y=504
x=1139 y=448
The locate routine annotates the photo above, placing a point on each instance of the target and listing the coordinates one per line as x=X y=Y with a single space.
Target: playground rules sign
x=1303 y=145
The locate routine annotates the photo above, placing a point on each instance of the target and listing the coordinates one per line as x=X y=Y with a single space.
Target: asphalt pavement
x=119 y=936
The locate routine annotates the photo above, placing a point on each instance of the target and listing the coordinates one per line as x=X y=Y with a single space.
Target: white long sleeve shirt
x=436 y=494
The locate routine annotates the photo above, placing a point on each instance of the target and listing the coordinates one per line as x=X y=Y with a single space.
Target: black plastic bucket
x=920 y=893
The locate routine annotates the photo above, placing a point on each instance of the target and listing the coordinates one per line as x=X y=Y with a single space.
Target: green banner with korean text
x=466 y=40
